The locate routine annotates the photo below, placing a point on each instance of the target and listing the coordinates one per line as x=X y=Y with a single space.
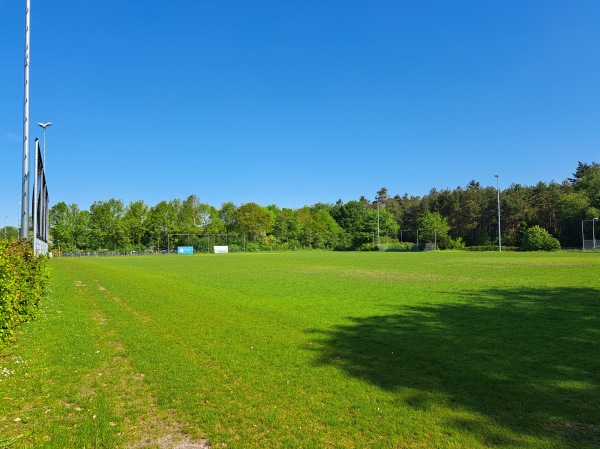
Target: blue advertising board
x=185 y=250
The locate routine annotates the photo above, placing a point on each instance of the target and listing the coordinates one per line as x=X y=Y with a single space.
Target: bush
x=23 y=279
x=392 y=246
x=538 y=239
x=456 y=243
x=252 y=247
x=268 y=243
x=491 y=248
x=482 y=248
x=401 y=246
x=295 y=245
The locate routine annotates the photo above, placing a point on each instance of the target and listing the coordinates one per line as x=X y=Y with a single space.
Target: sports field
x=310 y=350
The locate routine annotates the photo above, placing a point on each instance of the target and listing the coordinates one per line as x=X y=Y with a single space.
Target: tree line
x=462 y=217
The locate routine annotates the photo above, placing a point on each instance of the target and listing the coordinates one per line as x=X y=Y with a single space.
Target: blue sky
x=293 y=103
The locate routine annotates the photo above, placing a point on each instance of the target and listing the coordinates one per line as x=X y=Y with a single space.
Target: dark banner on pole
x=40 y=205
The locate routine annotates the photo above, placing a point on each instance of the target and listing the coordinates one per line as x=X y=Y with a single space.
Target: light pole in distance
x=499 y=230
x=594 y=230
x=378 y=235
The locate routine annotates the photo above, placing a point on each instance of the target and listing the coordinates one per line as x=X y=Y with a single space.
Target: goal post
x=588 y=234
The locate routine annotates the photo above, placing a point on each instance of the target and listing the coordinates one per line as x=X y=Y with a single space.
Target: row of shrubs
x=535 y=238
x=23 y=280
x=491 y=248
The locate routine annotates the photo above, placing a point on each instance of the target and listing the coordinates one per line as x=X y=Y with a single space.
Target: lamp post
x=499 y=229
x=378 y=234
x=594 y=231
x=44 y=126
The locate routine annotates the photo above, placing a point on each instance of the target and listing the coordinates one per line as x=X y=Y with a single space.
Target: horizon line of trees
x=465 y=216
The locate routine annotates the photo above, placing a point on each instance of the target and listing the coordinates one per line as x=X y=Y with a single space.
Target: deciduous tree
x=253 y=221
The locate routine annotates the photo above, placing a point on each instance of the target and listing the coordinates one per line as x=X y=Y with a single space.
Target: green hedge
x=491 y=248
x=23 y=279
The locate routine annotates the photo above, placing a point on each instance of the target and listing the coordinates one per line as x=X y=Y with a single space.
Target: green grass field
x=310 y=350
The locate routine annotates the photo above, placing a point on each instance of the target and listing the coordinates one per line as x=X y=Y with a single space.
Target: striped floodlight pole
x=25 y=186
x=499 y=230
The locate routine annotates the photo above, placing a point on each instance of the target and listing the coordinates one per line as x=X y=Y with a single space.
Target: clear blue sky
x=293 y=103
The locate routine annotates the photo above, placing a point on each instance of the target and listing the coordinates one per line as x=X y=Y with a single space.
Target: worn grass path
x=311 y=349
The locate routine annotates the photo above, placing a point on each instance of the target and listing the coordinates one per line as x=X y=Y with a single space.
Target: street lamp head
x=45 y=125
x=496 y=176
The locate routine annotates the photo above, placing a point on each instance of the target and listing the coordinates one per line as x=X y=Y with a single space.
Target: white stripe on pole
x=25 y=185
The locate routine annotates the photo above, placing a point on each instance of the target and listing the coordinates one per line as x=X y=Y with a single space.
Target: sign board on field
x=185 y=250
x=221 y=249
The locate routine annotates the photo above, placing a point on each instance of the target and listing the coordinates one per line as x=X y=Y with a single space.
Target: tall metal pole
x=499 y=230
x=25 y=185
x=378 y=235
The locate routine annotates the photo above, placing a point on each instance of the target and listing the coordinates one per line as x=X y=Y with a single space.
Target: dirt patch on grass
x=135 y=415
x=139 y=316
x=179 y=441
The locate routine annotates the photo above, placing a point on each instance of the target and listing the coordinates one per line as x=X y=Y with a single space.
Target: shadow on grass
x=529 y=359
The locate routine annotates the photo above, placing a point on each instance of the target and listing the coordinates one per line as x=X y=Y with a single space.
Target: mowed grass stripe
x=78 y=388
x=320 y=349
